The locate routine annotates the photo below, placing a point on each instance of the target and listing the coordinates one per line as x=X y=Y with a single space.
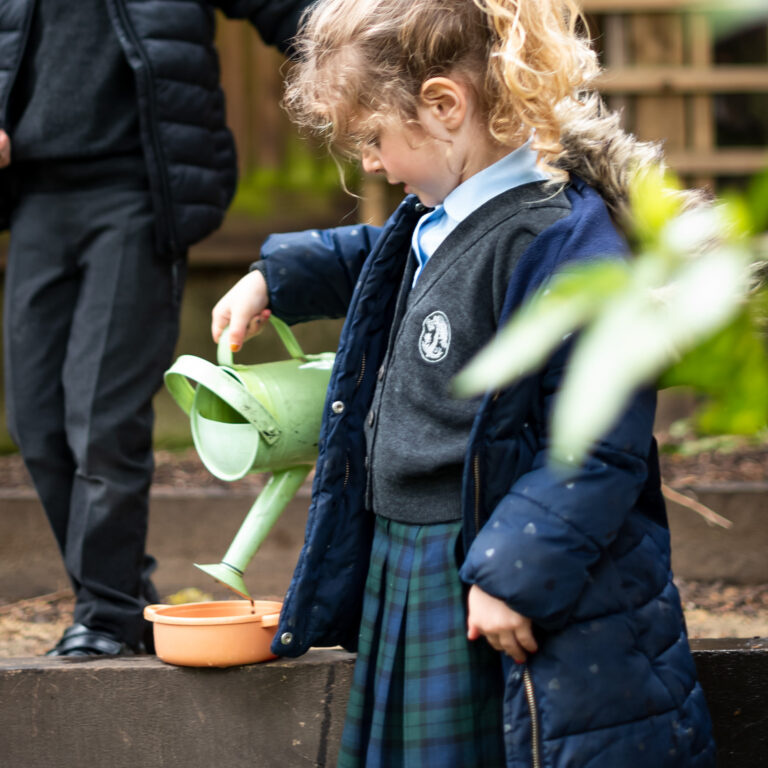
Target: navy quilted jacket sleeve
x=312 y=274
x=553 y=525
x=547 y=528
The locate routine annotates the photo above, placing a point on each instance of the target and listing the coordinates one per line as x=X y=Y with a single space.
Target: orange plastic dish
x=224 y=633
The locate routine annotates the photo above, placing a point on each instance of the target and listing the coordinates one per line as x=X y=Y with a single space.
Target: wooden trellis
x=250 y=76
x=661 y=71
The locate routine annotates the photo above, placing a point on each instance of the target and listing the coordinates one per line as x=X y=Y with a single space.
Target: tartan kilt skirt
x=422 y=694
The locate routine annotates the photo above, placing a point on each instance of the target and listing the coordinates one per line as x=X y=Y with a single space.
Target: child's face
x=406 y=154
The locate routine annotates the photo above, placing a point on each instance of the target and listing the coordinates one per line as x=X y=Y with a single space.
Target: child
x=440 y=543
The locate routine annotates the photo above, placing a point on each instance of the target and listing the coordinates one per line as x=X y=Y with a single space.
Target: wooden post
x=252 y=83
x=373 y=206
x=657 y=39
x=233 y=69
x=616 y=46
x=702 y=139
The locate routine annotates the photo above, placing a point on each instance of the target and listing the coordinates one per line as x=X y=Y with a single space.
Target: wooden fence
x=681 y=71
x=677 y=68
x=250 y=75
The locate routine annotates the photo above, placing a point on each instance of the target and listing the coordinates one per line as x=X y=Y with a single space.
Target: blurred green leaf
x=757 y=201
x=642 y=331
x=654 y=202
x=567 y=302
x=731 y=369
x=680 y=313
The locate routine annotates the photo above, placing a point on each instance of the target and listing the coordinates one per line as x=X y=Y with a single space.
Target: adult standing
x=116 y=158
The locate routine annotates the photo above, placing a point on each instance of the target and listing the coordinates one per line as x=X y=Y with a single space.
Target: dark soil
x=713 y=609
x=713 y=461
x=684 y=462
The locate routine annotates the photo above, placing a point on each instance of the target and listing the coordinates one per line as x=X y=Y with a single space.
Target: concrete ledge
x=734 y=676
x=705 y=552
x=128 y=712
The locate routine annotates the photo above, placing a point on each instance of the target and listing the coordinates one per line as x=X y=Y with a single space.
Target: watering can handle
x=224 y=351
x=218 y=380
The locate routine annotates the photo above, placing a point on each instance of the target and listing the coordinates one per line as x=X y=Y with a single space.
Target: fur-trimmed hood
x=597 y=149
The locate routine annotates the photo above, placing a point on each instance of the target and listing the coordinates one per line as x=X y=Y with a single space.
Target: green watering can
x=253 y=418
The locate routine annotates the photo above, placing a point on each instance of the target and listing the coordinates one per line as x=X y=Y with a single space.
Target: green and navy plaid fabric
x=422 y=694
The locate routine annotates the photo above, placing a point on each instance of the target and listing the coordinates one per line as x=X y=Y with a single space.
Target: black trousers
x=90 y=324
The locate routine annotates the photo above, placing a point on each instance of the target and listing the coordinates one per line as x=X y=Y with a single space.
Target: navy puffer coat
x=189 y=150
x=586 y=556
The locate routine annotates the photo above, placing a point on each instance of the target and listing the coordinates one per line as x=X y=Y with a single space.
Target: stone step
x=129 y=712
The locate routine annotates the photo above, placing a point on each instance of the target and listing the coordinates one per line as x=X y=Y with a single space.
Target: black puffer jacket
x=189 y=150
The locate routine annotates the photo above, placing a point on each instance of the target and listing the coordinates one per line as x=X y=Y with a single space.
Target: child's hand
x=243 y=308
x=506 y=630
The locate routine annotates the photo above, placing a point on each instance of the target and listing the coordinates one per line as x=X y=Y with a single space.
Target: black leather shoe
x=79 y=640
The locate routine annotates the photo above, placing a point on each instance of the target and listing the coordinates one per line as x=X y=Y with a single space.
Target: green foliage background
x=688 y=310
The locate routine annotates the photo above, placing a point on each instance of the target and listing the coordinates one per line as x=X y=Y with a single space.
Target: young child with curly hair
x=505 y=612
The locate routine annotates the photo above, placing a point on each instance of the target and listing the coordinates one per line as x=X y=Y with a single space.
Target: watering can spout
x=227 y=575
x=269 y=505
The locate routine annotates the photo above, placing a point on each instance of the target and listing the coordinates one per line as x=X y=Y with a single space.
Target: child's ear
x=445 y=101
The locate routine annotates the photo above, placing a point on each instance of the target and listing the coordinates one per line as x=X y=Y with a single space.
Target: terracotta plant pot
x=224 y=633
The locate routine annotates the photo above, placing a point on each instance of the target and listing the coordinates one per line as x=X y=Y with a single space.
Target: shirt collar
x=517 y=168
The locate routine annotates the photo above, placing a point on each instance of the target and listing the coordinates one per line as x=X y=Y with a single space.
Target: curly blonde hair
x=520 y=57
x=529 y=64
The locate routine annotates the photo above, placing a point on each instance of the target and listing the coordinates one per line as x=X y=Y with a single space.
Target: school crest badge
x=435 y=338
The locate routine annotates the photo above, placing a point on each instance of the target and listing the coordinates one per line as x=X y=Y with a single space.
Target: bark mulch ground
x=713 y=609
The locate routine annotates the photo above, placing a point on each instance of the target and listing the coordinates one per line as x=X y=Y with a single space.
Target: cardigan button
x=337 y=406
x=419 y=207
x=286 y=638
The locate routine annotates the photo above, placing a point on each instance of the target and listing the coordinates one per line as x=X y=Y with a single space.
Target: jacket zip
x=357 y=384
x=534 y=715
x=144 y=78
x=476 y=477
x=527 y=679
x=362 y=372
x=530 y=696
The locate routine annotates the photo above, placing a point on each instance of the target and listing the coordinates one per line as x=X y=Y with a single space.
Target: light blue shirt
x=513 y=170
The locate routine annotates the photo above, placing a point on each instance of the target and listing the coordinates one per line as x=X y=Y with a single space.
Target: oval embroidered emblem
x=435 y=337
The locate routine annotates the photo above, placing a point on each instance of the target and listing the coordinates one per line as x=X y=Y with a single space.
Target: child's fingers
x=238 y=327
x=524 y=636
x=242 y=308
x=244 y=326
x=506 y=642
x=219 y=321
x=256 y=324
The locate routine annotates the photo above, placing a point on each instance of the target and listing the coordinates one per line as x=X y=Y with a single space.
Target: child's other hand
x=506 y=630
x=243 y=308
